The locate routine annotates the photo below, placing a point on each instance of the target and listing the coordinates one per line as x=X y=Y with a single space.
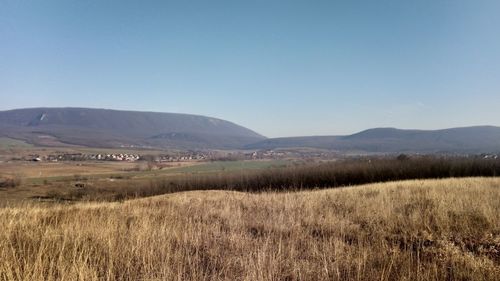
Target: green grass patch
x=204 y=168
x=7 y=143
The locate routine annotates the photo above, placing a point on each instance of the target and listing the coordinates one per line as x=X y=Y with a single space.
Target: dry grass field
x=411 y=230
x=61 y=169
x=39 y=179
x=47 y=170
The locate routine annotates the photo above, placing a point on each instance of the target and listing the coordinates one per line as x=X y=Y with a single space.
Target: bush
x=307 y=176
x=10 y=182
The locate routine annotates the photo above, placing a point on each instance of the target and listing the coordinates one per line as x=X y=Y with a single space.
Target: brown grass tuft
x=413 y=230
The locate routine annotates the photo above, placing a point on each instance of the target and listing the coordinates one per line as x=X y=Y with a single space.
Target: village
x=82 y=157
x=181 y=156
x=189 y=156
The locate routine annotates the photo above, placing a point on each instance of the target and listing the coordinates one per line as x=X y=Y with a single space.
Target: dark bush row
x=9 y=182
x=311 y=176
x=343 y=173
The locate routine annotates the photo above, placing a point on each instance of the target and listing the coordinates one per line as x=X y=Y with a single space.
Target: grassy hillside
x=7 y=143
x=414 y=230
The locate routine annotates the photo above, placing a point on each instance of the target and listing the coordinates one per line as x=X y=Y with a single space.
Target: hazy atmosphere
x=253 y=140
x=282 y=68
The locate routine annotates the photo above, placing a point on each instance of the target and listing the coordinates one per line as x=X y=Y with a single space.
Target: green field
x=8 y=143
x=210 y=167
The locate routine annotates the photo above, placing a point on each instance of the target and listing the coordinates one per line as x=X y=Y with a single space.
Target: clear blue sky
x=282 y=68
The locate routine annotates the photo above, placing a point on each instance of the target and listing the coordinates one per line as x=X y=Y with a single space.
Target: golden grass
x=413 y=230
x=42 y=170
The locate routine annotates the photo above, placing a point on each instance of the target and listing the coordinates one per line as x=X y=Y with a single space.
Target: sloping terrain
x=411 y=230
x=113 y=128
x=479 y=139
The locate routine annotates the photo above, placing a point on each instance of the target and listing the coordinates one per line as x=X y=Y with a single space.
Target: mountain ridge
x=472 y=139
x=95 y=127
x=110 y=128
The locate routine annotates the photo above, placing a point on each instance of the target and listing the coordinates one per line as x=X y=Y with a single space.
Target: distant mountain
x=479 y=139
x=116 y=128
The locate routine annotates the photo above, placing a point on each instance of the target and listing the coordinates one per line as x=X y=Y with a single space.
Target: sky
x=281 y=68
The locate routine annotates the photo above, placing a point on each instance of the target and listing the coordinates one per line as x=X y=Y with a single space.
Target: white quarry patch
x=213 y=121
x=43 y=117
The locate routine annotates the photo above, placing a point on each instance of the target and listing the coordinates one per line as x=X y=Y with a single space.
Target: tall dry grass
x=414 y=230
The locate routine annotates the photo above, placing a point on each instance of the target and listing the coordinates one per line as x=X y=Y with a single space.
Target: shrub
x=307 y=176
x=10 y=182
